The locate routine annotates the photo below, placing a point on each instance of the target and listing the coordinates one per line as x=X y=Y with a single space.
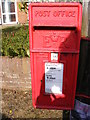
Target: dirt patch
x=17 y=104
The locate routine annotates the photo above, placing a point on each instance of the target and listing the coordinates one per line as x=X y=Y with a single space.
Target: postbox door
x=54 y=100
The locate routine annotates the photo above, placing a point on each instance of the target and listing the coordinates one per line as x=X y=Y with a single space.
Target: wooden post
x=85 y=19
x=89 y=19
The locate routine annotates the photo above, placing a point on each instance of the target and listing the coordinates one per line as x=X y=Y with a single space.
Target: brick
x=22 y=16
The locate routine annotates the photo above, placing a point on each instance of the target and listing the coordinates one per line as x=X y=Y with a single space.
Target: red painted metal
x=54 y=28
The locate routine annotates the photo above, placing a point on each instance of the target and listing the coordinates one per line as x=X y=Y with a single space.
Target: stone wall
x=15 y=73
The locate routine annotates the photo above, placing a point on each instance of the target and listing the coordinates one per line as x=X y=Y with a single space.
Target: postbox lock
x=54 y=56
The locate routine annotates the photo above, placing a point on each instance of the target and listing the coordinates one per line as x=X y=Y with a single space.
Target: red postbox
x=55 y=32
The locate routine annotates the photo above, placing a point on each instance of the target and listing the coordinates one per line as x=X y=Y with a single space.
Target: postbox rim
x=70 y=4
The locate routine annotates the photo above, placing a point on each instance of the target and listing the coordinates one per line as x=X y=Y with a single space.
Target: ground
x=17 y=104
